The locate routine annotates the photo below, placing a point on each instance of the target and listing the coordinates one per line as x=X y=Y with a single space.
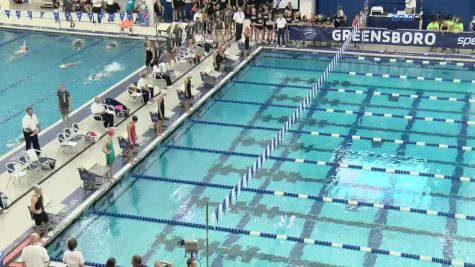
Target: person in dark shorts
x=37 y=210
x=187 y=90
x=149 y=54
x=64 y=103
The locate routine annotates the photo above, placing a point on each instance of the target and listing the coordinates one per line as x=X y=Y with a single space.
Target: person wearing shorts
x=187 y=92
x=64 y=103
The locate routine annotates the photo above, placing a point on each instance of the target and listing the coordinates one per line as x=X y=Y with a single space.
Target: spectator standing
x=356 y=23
x=160 y=111
x=73 y=257
x=191 y=262
x=31 y=129
x=64 y=104
x=187 y=91
x=68 y=8
x=132 y=136
x=247 y=38
x=410 y=6
x=100 y=113
x=158 y=9
x=96 y=9
x=149 y=54
x=281 y=24
x=435 y=27
x=108 y=149
x=238 y=18
x=37 y=210
x=270 y=29
x=34 y=255
x=457 y=28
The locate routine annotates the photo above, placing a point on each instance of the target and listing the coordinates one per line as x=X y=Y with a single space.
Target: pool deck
x=62 y=187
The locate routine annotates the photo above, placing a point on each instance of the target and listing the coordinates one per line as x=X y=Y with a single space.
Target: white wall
x=307 y=7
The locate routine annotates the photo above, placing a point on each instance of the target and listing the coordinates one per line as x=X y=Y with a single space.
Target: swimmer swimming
x=69 y=65
x=112 y=45
x=22 y=50
x=78 y=42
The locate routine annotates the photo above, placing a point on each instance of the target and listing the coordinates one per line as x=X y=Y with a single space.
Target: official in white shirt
x=411 y=6
x=73 y=257
x=281 y=24
x=239 y=20
x=100 y=113
x=31 y=128
x=147 y=89
x=34 y=255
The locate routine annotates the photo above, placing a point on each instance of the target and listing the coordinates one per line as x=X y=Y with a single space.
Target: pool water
x=33 y=79
x=221 y=127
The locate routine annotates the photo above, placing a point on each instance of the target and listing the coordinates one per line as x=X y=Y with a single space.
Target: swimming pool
x=34 y=79
x=357 y=177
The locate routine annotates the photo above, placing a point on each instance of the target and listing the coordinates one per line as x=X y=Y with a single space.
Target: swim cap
x=110 y=131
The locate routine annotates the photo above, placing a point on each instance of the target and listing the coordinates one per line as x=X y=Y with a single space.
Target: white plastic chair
x=77 y=130
x=27 y=164
x=64 y=143
x=15 y=171
x=42 y=160
x=135 y=93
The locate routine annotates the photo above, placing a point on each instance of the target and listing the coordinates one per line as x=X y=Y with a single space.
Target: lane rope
x=369 y=74
x=321 y=198
x=338 y=135
x=330 y=163
x=351 y=112
x=296 y=239
x=361 y=92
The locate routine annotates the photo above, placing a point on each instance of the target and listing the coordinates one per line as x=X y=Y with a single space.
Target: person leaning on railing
x=434 y=26
x=457 y=28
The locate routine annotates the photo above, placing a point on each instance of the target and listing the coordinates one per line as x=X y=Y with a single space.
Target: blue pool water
x=221 y=126
x=34 y=79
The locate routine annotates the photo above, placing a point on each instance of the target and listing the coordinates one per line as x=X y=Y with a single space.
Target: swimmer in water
x=78 y=42
x=112 y=45
x=22 y=50
x=69 y=65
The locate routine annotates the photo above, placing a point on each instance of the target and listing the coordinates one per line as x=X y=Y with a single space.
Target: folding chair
x=15 y=171
x=64 y=143
x=91 y=181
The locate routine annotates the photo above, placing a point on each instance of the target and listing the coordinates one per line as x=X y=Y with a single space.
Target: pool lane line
x=379 y=59
x=368 y=74
x=380 y=63
x=338 y=135
x=329 y=163
x=296 y=239
x=23 y=35
x=66 y=84
x=343 y=201
x=56 y=63
x=351 y=112
x=361 y=92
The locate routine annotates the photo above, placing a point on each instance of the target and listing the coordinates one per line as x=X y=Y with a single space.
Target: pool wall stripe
x=360 y=92
x=368 y=74
x=349 y=202
x=351 y=112
x=338 y=135
x=238 y=231
x=329 y=163
x=383 y=58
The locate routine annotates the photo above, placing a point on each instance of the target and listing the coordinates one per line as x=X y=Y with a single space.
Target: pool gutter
x=76 y=213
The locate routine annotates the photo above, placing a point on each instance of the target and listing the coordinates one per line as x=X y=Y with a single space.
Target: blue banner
x=18 y=13
x=56 y=16
x=122 y=16
x=99 y=16
x=41 y=14
x=111 y=16
x=129 y=16
x=30 y=14
x=67 y=15
x=79 y=15
x=465 y=40
x=7 y=12
x=90 y=15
